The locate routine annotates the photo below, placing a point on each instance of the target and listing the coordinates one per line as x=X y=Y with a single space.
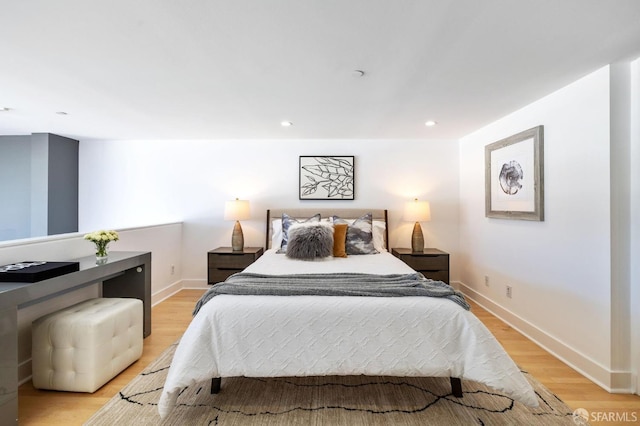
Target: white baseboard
x=195 y=284
x=611 y=381
x=24 y=372
x=166 y=292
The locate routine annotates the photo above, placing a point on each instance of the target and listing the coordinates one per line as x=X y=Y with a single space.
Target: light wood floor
x=171 y=317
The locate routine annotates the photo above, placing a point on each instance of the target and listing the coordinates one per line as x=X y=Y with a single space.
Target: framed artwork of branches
x=327 y=177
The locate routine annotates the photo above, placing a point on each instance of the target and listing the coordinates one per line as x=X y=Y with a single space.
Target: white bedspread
x=275 y=336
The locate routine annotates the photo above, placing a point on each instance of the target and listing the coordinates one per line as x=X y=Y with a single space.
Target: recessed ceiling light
x=4 y=109
x=430 y=123
x=286 y=123
x=357 y=73
x=61 y=113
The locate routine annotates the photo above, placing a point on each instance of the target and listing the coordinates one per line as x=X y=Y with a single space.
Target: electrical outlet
x=173 y=269
x=509 y=291
x=486 y=280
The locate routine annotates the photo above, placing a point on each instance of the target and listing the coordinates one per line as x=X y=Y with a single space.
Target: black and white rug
x=335 y=400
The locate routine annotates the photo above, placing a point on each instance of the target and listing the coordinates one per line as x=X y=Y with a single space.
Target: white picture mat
x=524 y=199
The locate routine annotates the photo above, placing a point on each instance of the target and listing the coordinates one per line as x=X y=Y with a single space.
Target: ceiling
x=213 y=69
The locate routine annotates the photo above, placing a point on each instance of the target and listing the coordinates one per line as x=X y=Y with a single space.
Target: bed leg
x=215 y=385
x=456 y=387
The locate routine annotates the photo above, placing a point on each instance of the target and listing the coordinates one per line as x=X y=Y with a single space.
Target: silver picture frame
x=514 y=176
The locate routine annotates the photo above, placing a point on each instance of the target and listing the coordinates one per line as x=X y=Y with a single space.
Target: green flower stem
x=101 y=248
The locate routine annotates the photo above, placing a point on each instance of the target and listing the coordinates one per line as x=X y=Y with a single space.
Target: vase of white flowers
x=102 y=239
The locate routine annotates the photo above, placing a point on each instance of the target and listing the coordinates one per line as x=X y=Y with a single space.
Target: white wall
x=190 y=181
x=635 y=220
x=620 y=205
x=575 y=276
x=560 y=269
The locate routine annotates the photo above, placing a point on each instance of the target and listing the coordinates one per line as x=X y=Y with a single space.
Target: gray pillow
x=359 y=235
x=309 y=241
x=287 y=221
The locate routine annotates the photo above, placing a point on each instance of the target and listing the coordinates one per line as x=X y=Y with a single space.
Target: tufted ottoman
x=82 y=347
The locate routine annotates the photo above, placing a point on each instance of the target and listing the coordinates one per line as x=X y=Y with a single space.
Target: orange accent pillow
x=340 y=240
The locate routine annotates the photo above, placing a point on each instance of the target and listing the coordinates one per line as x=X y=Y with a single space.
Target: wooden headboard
x=304 y=213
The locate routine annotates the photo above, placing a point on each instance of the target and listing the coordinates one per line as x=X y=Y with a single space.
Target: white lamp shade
x=417 y=211
x=237 y=210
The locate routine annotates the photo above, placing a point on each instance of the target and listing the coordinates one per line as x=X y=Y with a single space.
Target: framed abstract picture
x=514 y=176
x=326 y=177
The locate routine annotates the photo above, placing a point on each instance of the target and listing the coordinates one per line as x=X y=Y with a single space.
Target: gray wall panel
x=63 y=185
x=15 y=187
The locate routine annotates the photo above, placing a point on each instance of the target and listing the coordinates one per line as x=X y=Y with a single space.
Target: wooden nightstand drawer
x=437 y=275
x=219 y=275
x=431 y=263
x=231 y=261
x=223 y=262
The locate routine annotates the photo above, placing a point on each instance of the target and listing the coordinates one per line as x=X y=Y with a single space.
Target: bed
x=270 y=335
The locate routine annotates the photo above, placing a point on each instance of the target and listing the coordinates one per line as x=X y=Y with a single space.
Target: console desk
x=126 y=274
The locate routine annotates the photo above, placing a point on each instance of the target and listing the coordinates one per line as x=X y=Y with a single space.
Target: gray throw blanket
x=348 y=284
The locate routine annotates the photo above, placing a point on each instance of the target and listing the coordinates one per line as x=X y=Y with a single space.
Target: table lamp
x=237 y=210
x=417 y=211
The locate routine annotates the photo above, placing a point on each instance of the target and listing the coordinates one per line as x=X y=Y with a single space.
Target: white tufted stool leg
x=82 y=347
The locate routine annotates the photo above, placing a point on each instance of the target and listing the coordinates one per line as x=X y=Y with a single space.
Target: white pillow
x=379 y=227
x=276 y=233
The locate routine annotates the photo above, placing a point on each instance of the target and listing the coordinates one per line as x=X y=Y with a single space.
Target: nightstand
x=432 y=263
x=223 y=262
